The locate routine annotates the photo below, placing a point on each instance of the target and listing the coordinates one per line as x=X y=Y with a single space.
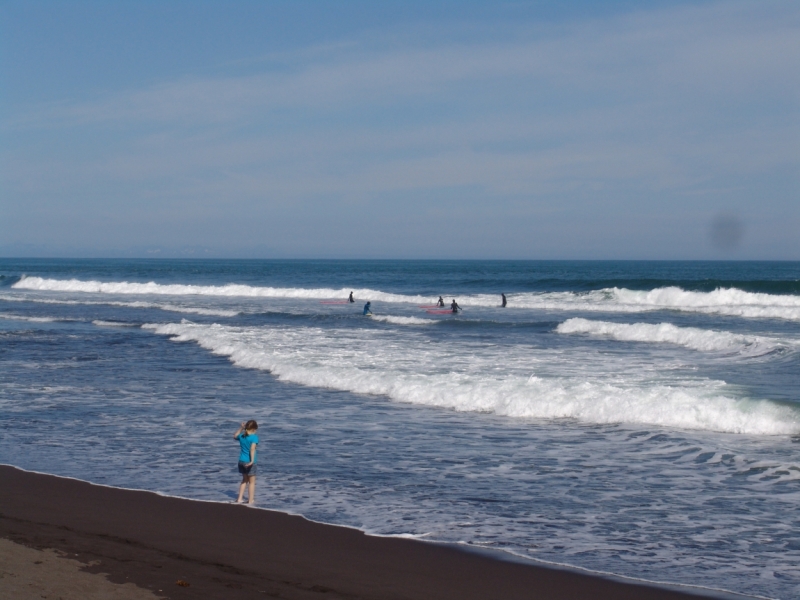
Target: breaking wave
x=190 y=310
x=690 y=337
x=101 y=323
x=728 y=302
x=403 y=320
x=367 y=362
x=722 y=301
x=30 y=319
x=231 y=289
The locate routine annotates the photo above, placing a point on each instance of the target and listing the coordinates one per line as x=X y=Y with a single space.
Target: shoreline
x=153 y=540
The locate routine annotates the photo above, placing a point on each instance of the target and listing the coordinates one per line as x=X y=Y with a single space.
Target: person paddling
x=504 y=300
x=351 y=299
x=367 y=310
x=440 y=302
x=454 y=306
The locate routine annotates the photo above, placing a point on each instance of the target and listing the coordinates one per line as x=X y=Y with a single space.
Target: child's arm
x=238 y=431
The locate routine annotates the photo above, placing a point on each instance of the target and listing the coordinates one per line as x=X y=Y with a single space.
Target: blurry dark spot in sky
x=726 y=231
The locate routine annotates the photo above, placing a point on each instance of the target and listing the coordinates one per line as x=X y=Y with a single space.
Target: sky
x=497 y=130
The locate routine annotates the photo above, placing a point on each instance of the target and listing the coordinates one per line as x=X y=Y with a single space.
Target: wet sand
x=223 y=551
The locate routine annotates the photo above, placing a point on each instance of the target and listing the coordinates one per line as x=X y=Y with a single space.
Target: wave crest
x=338 y=360
x=690 y=337
x=403 y=320
x=723 y=301
x=192 y=310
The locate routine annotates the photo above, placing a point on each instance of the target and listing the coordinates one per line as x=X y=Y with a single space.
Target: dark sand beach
x=229 y=552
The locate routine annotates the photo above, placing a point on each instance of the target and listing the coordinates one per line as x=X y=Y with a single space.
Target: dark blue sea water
x=637 y=418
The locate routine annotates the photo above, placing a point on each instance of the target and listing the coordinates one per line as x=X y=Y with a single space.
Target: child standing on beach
x=248 y=440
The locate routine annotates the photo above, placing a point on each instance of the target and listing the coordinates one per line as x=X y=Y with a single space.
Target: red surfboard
x=441 y=311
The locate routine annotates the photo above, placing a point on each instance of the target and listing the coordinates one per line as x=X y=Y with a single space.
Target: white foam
x=100 y=323
x=30 y=319
x=403 y=320
x=726 y=301
x=483 y=379
x=229 y=290
x=191 y=310
x=136 y=304
x=723 y=301
x=690 y=337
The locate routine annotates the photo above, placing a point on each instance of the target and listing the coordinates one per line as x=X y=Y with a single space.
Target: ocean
x=634 y=418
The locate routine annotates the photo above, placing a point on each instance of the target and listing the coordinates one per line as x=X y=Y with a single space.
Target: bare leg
x=251 y=496
x=241 y=489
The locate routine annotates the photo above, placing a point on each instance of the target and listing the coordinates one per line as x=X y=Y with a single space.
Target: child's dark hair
x=251 y=425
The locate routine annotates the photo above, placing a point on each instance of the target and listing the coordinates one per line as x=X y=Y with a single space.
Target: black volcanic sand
x=229 y=552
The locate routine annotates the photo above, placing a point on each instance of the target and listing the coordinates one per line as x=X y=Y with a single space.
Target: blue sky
x=633 y=130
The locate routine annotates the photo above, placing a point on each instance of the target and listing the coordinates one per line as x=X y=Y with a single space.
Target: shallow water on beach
x=634 y=418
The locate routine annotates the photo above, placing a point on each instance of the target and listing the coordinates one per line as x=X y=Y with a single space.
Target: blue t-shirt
x=245 y=441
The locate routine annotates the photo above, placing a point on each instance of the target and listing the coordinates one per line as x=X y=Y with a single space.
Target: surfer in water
x=504 y=300
x=351 y=299
x=367 y=310
x=440 y=302
x=454 y=306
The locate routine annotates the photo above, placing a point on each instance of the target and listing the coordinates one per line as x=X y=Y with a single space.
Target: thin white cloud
x=718 y=50
x=678 y=99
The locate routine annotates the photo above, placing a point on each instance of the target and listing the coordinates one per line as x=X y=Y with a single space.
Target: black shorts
x=249 y=471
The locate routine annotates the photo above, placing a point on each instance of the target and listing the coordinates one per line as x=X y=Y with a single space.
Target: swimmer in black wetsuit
x=367 y=310
x=504 y=300
x=351 y=299
x=440 y=302
x=454 y=306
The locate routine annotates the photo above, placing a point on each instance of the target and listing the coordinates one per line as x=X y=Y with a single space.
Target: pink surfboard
x=336 y=302
x=441 y=311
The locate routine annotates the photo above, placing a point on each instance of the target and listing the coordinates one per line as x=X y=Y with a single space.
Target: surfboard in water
x=336 y=302
x=428 y=306
x=441 y=311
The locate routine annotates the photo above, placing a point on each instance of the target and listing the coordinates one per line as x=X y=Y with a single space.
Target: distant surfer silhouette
x=367 y=310
x=454 y=306
x=440 y=302
x=351 y=299
x=504 y=300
